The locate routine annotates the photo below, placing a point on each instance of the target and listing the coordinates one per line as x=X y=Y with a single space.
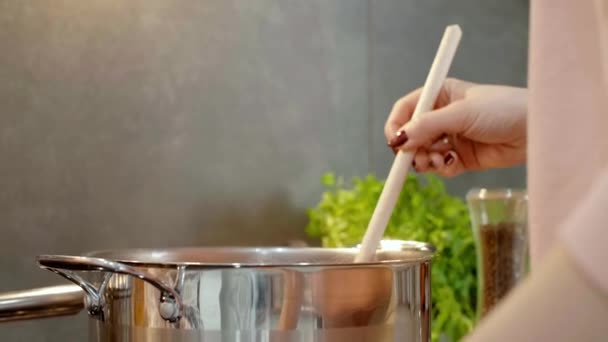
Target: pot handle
x=51 y=301
x=170 y=301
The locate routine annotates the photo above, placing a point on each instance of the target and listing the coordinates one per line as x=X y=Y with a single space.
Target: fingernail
x=449 y=159
x=399 y=139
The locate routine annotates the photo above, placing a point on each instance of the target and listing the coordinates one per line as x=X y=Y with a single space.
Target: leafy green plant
x=424 y=212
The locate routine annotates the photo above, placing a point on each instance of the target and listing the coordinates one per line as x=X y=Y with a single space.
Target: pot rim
x=410 y=252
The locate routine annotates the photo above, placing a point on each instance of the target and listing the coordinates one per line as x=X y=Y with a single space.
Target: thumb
x=426 y=128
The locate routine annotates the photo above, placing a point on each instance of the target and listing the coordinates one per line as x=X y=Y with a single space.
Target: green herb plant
x=424 y=212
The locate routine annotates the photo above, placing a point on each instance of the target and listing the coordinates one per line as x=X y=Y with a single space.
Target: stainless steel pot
x=242 y=294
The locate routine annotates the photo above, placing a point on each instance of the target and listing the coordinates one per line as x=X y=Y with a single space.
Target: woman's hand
x=472 y=127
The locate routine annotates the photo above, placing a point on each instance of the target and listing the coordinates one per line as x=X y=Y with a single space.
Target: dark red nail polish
x=449 y=159
x=399 y=139
x=414 y=164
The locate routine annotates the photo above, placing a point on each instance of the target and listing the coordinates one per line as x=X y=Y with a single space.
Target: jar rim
x=496 y=193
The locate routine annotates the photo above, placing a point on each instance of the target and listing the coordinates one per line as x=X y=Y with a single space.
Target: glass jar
x=499 y=223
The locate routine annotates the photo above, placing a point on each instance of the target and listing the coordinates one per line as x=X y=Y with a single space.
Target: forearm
x=558 y=302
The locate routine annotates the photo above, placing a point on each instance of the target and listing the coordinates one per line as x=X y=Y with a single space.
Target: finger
x=401 y=113
x=436 y=160
x=452 y=90
x=452 y=119
x=452 y=165
x=422 y=161
x=443 y=144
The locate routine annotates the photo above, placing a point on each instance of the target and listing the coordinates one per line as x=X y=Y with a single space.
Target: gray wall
x=157 y=123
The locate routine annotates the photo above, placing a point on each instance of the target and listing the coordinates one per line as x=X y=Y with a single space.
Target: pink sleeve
x=568 y=132
x=585 y=233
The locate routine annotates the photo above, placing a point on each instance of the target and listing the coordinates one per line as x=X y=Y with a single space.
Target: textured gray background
x=159 y=123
